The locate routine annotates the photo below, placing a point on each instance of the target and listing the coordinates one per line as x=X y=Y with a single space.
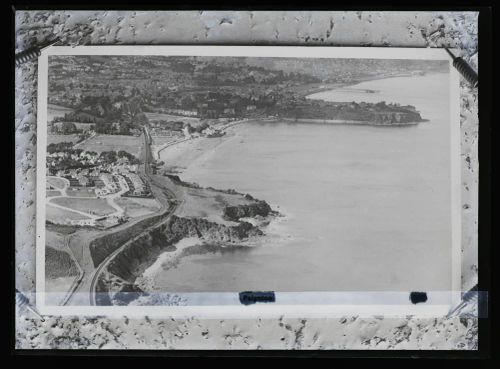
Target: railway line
x=171 y=206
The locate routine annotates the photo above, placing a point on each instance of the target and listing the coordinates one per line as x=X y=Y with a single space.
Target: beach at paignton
x=351 y=222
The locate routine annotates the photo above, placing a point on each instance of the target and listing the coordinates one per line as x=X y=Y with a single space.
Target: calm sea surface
x=367 y=208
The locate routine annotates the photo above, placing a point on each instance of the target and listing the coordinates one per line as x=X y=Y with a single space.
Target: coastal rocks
x=259 y=208
x=141 y=252
x=395 y=118
x=354 y=113
x=210 y=231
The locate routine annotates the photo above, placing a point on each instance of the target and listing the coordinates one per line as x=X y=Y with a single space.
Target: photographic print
x=193 y=177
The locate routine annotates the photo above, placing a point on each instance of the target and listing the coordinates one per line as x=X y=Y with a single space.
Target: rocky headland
x=117 y=282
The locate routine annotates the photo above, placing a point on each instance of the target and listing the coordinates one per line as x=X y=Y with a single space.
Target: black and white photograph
x=186 y=176
x=251 y=182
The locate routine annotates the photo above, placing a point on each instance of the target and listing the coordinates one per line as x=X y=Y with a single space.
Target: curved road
x=171 y=209
x=105 y=262
x=90 y=274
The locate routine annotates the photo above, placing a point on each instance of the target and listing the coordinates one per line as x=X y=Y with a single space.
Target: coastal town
x=109 y=121
x=81 y=175
x=116 y=95
x=99 y=103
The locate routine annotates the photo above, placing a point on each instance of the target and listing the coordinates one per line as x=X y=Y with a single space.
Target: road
x=105 y=262
x=147 y=158
x=110 y=199
x=84 y=292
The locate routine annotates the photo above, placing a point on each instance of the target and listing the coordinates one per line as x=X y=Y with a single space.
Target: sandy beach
x=193 y=152
x=147 y=280
x=343 y=206
x=181 y=155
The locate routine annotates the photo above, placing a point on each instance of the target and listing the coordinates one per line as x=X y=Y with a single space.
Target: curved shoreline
x=203 y=148
x=123 y=276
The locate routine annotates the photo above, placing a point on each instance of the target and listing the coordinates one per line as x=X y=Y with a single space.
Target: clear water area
x=367 y=208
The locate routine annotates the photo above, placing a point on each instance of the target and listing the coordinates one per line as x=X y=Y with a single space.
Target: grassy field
x=56 y=182
x=87 y=205
x=61 y=138
x=57 y=215
x=174 y=118
x=52 y=193
x=136 y=207
x=101 y=143
x=80 y=192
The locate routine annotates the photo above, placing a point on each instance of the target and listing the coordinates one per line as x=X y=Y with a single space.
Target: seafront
x=183 y=153
x=250 y=157
x=340 y=185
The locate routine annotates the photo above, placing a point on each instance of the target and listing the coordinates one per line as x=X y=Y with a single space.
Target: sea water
x=366 y=208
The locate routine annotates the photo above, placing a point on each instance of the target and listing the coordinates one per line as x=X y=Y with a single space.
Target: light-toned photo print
x=220 y=181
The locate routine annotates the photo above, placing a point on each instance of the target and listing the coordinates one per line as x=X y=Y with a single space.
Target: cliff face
x=124 y=268
x=398 y=117
x=101 y=247
x=259 y=208
x=372 y=113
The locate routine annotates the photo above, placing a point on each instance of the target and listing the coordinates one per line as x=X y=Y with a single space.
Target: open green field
x=101 y=143
x=55 y=182
x=61 y=138
x=52 y=193
x=81 y=192
x=174 y=118
x=136 y=207
x=57 y=215
x=86 y=205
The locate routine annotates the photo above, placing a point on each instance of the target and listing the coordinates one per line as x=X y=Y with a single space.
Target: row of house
x=137 y=187
x=110 y=185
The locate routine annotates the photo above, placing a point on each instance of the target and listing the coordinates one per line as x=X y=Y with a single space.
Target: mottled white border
x=438 y=304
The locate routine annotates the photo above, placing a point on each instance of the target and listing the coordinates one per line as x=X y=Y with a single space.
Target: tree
x=108 y=156
x=68 y=128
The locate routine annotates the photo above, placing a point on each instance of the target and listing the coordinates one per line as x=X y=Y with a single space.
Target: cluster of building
x=137 y=186
x=109 y=185
x=90 y=169
x=108 y=180
x=105 y=179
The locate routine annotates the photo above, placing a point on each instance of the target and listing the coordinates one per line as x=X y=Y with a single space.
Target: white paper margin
x=256 y=310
